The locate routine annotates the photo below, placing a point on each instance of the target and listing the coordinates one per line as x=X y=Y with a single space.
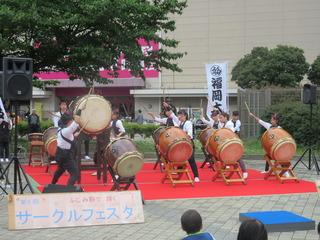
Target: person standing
x=34 y=122
x=5 y=127
x=117 y=129
x=166 y=121
x=274 y=123
x=65 y=155
x=139 y=119
x=213 y=121
x=225 y=123
x=236 y=122
x=63 y=108
x=187 y=126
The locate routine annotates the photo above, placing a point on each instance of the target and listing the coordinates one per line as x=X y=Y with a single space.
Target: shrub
x=136 y=128
x=23 y=126
x=295 y=118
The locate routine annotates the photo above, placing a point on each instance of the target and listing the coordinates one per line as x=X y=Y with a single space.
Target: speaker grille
x=18 y=85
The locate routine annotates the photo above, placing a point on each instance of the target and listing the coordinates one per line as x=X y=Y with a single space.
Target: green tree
x=314 y=71
x=82 y=36
x=283 y=66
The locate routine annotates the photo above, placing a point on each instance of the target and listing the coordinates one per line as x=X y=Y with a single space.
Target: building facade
x=224 y=31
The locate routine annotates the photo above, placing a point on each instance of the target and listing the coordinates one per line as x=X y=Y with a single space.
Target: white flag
x=5 y=117
x=217 y=86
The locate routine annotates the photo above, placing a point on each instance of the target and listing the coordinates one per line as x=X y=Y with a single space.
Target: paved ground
x=162 y=218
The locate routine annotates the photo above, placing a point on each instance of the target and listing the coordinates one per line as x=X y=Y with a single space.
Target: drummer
x=65 y=156
x=167 y=121
x=187 y=126
x=226 y=123
x=63 y=108
x=117 y=129
x=213 y=121
x=274 y=123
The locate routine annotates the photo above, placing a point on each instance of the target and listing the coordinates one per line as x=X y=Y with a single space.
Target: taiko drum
x=95 y=113
x=278 y=144
x=122 y=155
x=225 y=146
x=173 y=143
x=50 y=141
x=204 y=135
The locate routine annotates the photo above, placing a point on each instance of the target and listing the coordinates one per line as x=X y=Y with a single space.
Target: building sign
x=217 y=86
x=74 y=209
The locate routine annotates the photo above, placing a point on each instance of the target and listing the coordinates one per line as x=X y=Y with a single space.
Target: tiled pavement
x=162 y=218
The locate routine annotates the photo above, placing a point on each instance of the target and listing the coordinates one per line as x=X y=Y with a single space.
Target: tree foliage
x=282 y=66
x=295 y=119
x=83 y=36
x=314 y=71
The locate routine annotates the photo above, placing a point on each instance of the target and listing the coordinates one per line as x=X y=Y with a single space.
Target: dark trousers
x=66 y=161
x=192 y=163
x=34 y=128
x=4 y=149
x=86 y=147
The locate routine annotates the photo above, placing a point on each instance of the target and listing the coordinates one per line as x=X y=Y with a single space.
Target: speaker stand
x=311 y=152
x=312 y=160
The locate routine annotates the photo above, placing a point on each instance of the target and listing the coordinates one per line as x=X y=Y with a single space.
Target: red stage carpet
x=149 y=182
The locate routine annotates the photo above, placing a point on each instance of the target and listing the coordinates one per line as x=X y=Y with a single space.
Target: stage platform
x=280 y=221
x=149 y=182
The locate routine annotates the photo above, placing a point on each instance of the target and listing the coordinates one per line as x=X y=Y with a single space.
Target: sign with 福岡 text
x=217 y=86
x=74 y=209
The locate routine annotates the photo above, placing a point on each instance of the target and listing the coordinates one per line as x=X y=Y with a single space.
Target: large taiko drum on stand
x=278 y=144
x=50 y=141
x=122 y=155
x=204 y=135
x=95 y=113
x=225 y=146
x=173 y=143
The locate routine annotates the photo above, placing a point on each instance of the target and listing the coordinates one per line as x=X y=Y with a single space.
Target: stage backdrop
x=217 y=86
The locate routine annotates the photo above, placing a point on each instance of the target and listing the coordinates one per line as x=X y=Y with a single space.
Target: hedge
x=295 y=118
x=131 y=128
x=23 y=126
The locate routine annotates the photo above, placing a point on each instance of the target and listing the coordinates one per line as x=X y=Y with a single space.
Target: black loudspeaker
x=309 y=94
x=17 y=78
x=55 y=188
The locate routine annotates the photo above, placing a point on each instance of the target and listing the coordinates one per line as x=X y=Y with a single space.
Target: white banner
x=74 y=209
x=3 y=110
x=217 y=86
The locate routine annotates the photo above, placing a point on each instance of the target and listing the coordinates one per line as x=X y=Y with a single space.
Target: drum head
x=129 y=165
x=231 y=152
x=180 y=151
x=284 y=152
x=95 y=113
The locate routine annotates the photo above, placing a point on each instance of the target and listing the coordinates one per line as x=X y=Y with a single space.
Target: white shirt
x=238 y=125
x=187 y=125
x=209 y=123
x=163 y=121
x=228 y=124
x=67 y=133
x=266 y=125
x=55 y=118
x=119 y=125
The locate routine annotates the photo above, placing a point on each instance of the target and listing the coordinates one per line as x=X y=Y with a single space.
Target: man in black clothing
x=33 y=122
x=5 y=126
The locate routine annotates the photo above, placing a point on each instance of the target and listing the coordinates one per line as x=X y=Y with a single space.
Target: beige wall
x=226 y=30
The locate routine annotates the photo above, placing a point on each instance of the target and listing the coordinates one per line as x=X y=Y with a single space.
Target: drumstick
x=81 y=129
x=245 y=103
